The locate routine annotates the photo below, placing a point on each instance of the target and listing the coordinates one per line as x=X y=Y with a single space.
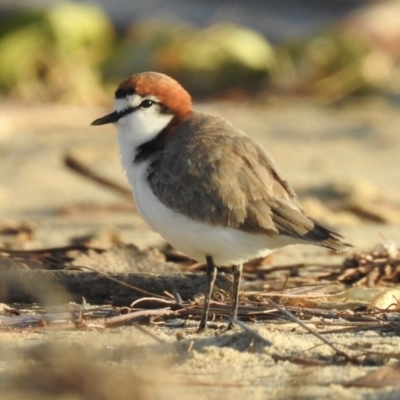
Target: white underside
x=226 y=245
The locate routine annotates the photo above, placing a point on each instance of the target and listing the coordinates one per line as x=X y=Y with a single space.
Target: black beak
x=108 y=119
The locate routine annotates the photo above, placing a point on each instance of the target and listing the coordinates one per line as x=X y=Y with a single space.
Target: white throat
x=137 y=128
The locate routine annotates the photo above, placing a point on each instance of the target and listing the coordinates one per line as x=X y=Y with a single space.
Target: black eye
x=146 y=104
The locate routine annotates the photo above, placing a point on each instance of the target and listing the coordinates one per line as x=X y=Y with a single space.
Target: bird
x=209 y=189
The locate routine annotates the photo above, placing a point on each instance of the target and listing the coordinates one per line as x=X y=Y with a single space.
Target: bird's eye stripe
x=132 y=109
x=125 y=112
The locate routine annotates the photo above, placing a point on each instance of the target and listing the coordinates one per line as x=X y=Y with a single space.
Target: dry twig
x=307 y=328
x=75 y=165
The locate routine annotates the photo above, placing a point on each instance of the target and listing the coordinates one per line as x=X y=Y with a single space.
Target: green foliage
x=331 y=64
x=205 y=61
x=54 y=54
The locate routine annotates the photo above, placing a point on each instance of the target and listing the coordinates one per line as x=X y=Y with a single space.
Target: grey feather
x=212 y=172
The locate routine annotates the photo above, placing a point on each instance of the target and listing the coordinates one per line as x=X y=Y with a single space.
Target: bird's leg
x=211 y=275
x=237 y=275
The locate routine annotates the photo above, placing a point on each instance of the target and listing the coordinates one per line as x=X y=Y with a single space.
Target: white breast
x=226 y=245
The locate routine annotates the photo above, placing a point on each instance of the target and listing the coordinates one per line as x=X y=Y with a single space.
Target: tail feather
x=326 y=237
x=292 y=222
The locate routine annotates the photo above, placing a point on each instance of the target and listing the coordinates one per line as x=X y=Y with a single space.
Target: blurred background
x=77 y=51
x=316 y=82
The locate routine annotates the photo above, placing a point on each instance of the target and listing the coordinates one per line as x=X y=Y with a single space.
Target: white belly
x=226 y=245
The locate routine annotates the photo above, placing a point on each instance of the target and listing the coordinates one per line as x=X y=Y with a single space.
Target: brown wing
x=225 y=178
